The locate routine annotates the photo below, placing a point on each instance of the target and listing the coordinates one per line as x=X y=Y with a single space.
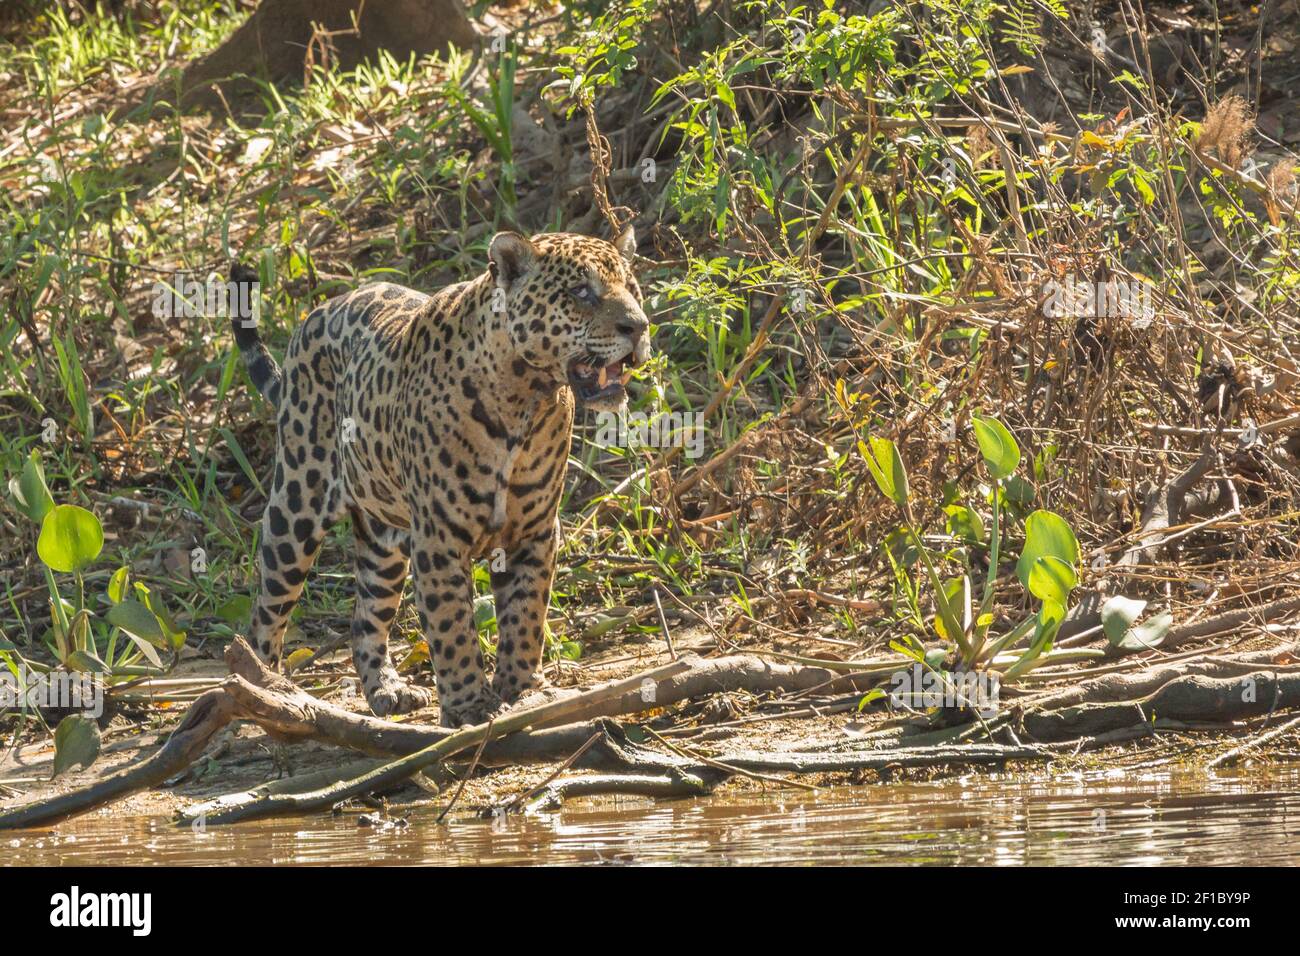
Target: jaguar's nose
x=633 y=326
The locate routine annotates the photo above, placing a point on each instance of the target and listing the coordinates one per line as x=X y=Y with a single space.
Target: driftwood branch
x=207 y=715
x=1236 y=753
x=669 y=785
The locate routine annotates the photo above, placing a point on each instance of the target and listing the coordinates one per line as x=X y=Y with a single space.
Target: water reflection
x=1166 y=818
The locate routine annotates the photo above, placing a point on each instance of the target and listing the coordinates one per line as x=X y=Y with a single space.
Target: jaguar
x=440 y=425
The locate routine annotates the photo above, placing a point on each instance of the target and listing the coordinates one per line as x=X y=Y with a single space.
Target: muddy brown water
x=1247 y=817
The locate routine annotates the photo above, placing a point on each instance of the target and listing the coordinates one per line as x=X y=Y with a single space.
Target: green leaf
x=1051 y=579
x=1118 y=615
x=1046 y=534
x=935 y=658
x=117 y=585
x=86 y=660
x=1050 y=618
x=999 y=448
x=1146 y=636
x=31 y=495
x=964 y=524
x=240 y=458
x=957 y=593
x=70 y=538
x=915 y=653
x=76 y=743
x=138 y=621
x=154 y=602
x=886 y=467
x=869 y=697
x=1047 y=622
x=146 y=649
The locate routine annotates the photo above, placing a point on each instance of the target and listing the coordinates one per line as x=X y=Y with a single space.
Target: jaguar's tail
x=262 y=369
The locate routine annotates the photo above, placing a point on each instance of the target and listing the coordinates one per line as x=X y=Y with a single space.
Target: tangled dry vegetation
x=857 y=224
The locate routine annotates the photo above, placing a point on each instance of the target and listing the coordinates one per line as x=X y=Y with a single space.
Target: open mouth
x=599 y=383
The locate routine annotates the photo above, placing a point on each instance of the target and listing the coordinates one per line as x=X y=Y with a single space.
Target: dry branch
x=287 y=712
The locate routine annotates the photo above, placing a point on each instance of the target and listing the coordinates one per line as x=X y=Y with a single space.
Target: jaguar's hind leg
x=293 y=526
x=382 y=559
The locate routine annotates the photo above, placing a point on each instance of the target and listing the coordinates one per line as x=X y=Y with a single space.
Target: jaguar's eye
x=583 y=293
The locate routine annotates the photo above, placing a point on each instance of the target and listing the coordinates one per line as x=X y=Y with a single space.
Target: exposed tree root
x=1189 y=698
x=1131 y=686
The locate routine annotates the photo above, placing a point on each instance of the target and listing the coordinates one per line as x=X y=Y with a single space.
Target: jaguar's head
x=573 y=310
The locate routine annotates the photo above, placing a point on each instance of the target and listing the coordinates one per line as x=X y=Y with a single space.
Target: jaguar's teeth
x=625 y=377
x=602 y=377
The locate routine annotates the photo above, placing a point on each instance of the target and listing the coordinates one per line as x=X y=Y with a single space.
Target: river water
x=1135 y=818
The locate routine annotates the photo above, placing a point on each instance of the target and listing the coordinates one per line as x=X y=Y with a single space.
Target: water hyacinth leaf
x=964 y=524
x=170 y=629
x=1046 y=624
x=1050 y=618
x=1046 y=534
x=953 y=618
x=88 y=661
x=79 y=631
x=1118 y=615
x=1146 y=636
x=76 y=743
x=117 y=585
x=886 y=467
x=138 y=621
x=1051 y=579
x=911 y=649
x=936 y=658
x=71 y=537
x=31 y=496
x=1017 y=492
x=999 y=448
x=145 y=648
x=485 y=612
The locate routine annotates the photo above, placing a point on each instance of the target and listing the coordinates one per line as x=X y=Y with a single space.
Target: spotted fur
x=441 y=424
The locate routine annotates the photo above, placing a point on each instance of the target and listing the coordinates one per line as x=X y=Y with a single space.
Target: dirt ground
x=244 y=756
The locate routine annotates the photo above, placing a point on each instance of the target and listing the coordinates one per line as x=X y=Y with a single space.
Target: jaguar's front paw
x=512 y=685
x=390 y=695
x=478 y=709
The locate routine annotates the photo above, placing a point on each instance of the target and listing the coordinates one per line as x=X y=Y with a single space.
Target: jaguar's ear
x=511 y=256
x=626 y=243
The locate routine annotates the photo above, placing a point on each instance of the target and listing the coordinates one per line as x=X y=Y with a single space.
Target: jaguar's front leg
x=523 y=594
x=445 y=598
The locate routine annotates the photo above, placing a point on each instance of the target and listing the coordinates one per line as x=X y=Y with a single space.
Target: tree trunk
x=283 y=37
